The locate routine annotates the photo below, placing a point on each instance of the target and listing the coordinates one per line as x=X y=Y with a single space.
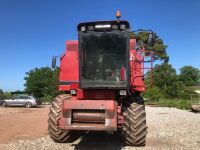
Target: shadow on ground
x=98 y=141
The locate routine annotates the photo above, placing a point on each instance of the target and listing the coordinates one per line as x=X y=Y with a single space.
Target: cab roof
x=112 y=22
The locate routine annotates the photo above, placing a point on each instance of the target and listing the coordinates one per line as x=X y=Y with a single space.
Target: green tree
x=168 y=82
x=175 y=90
x=1 y=94
x=7 y=95
x=153 y=93
x=189 y=75
x=164 y=76
x=187 y=92
x=42 y=82
x=158 y=47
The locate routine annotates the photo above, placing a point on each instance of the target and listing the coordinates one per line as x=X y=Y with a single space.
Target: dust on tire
x=57 y=134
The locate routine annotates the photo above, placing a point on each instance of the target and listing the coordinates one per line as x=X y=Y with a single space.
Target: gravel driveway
x=168 y=128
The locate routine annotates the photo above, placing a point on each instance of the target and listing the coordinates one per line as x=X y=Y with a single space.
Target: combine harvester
x=102 y=75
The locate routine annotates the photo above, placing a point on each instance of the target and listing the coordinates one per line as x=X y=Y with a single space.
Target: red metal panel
x=69 y=64
x=80 y=94
x=74 y=86
x=71 y=45
x=110 y=107
x=64 y=87
x=136 y=66
x=89 y=104
x=132 y=44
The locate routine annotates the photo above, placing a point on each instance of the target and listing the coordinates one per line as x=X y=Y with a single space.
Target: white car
x=27 y=101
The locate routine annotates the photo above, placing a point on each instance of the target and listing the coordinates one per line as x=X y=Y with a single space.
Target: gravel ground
x=10 y=111
x=18 y=123
x=168 y=128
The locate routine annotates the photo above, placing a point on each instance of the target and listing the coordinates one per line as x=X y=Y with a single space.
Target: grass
x=180 y=104
x=46 y=99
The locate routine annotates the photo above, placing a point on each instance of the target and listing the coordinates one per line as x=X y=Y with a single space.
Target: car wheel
x=28 y=105
x=4 y=104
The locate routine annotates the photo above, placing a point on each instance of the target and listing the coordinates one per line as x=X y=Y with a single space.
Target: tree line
x=168 y=84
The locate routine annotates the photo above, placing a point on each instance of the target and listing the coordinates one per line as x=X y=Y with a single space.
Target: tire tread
x=57 y=134
x=134 y=129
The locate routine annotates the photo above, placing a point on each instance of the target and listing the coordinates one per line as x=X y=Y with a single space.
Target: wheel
x=134 y=128
x=3 y=104
x=28 y=105
x=57 y=134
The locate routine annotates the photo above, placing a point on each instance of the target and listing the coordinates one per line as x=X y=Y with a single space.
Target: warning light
x=118 y=15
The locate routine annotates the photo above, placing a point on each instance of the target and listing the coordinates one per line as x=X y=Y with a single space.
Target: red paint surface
x=69 y=65
x=69 y=68
x=100 y=99
x=109 y=106
x=90 y=104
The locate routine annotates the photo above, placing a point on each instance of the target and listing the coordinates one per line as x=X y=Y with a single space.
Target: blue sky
x=32 y=31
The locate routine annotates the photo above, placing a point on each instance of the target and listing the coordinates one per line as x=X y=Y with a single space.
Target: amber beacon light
x=118 y=14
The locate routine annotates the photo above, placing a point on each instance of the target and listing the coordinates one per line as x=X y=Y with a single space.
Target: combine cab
x=102 y=75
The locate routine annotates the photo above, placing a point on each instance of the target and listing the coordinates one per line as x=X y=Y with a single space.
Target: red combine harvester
x=102 y=75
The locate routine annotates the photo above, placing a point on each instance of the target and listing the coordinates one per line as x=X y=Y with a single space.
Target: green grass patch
x=46 y=99
x=177 y=103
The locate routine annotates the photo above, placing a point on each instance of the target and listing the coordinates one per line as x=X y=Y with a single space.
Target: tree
x=1 y=94
x=5 y=95
x=168 y=82
x=164 y=76
x=175 y=90
x=153 y=93
x=189 y=75
x=42 y=82
x=158 y=47
x=165 y=82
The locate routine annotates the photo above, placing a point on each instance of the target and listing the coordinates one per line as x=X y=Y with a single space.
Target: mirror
x=53 y=65
x=151 y=38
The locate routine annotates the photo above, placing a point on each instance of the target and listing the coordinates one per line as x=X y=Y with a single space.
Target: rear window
x=104 y=60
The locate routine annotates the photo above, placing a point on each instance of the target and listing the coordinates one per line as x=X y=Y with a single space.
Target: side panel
x=69 y=66
x=137 y=68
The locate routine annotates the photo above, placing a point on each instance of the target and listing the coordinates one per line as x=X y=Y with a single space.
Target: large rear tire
x=134 y=128
x=57 y=134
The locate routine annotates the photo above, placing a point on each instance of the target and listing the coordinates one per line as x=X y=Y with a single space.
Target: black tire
x=134 y=128
x=3 y=104
x=57 y=134
x=28 y=105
